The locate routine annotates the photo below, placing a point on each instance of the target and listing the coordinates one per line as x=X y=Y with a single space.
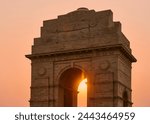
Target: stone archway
x=87 y=39
x=68 y=86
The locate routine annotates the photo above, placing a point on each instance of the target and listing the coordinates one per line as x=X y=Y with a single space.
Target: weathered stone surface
x=82 y=42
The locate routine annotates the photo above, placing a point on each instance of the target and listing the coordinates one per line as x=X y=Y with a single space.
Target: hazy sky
x=20 y=22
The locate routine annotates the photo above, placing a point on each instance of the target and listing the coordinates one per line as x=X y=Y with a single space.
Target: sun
x=83 y=84
x=82 y=93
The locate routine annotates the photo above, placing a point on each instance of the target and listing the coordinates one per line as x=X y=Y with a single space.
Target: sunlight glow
x=82 y=85
x=82 y=95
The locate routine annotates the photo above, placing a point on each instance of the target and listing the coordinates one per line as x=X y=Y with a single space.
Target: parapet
x=82 y=28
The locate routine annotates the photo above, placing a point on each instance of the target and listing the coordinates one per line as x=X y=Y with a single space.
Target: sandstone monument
x=82 y=42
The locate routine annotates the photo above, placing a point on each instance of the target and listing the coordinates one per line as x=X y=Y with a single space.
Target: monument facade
x=82 y=43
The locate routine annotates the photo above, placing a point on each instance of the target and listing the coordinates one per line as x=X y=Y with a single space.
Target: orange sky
x=20 y=22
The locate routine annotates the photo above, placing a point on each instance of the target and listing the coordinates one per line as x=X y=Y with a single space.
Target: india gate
x=77 y=45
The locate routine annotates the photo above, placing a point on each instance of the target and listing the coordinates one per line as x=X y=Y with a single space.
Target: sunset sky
x=20 y=22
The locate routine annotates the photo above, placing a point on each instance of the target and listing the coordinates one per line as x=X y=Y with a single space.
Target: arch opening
x=82 y=93
x=69 y=83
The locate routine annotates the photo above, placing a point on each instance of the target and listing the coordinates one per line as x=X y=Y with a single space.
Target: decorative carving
x=42 y=71
x=104 y=65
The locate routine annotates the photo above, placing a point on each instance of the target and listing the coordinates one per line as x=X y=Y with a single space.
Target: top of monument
x=80 y=29
x=82 y=9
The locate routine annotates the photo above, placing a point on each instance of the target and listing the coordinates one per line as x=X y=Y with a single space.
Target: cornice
x=120 y=47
